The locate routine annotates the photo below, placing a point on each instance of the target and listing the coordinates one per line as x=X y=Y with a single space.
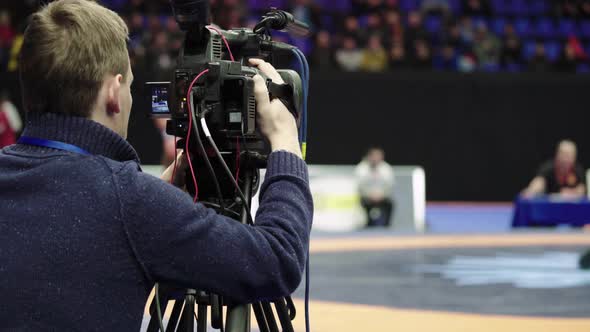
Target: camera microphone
x=283 y=21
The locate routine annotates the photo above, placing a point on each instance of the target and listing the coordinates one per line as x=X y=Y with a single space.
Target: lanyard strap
x=27 y=140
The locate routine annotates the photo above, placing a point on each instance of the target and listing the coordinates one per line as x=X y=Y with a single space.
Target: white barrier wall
x=337 y=204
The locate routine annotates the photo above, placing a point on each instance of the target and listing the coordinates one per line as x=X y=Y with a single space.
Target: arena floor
x=376 y=281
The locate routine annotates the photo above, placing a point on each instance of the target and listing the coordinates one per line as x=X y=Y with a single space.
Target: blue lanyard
x=27 y=140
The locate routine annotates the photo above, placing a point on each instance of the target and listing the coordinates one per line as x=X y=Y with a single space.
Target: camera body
x=224 y=96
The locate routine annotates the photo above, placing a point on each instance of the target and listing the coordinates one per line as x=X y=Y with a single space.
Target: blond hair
x=69 y=47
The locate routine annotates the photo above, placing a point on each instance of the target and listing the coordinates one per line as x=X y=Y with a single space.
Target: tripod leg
x=260 y=317
x=238 y=318
x=270 y=316
x=174 y=316
x=202 y=318
x=187 y=322
x=216 y=312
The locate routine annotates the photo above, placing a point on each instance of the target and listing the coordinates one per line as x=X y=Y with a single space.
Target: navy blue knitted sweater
x=84 y=238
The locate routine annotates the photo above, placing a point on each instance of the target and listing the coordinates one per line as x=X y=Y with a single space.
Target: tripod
x=191 y=307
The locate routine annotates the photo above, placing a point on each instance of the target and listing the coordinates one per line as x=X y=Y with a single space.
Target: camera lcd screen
x=159 y=98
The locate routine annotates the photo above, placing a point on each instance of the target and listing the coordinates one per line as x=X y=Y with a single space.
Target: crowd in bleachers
x=380 y=35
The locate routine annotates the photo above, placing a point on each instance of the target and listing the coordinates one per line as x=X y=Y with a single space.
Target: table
x=546 y=211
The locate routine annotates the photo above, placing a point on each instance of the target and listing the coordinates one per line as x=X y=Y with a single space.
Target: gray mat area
x=531 y=281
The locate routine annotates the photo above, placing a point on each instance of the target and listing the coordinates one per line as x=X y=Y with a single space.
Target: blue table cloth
x=544 y=211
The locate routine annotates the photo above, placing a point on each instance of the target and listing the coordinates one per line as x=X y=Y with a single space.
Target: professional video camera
x=211 y=107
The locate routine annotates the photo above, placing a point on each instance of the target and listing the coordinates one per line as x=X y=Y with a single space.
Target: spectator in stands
x=349 y=56
x=158 y=56
x=539 y=63
x=322 y=57
x=391 y=4
x=374 y=6
x=452 y=36
x=393 y=29
x=7 y=32
x=447 y=59
x=487 y=48
x=352 y=29
x=476 y=7
x=563 y=175
x=375 y=25
x=585 y=9
x=512 y=47
x=467 y=31
x=398 y=59
x=374 y=57
x=568 y=62
x=10 y=121
x=375 y=184
x=415 y=28
x=307 y=11
x=573 y=54
x=422 y=59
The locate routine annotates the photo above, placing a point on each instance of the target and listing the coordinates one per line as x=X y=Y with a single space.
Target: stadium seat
x=497 y=25
x=523 y=27
x=545 y=28
x=455 y=6
x=585 y=29
x=538 y=7
x=433 y=24
x=528 y=49
x=500 y=7
x=518 y=8
x=409 y=5
x=513 y=68
x=567 y=28
x=553 y=50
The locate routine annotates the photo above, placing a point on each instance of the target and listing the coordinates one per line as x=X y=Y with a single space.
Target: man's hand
x=277 y=124
x=179 y=174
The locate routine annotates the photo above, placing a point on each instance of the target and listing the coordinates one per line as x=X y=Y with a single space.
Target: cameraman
x=85 y=234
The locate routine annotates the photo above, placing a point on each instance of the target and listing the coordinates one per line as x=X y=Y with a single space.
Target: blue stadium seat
x=528 y=49
x=585 y=29
x=545 y=28
x=513 y=67
x=433 y=24
x=583 y=68
x=523 y=27
x=479 y=21
x=518 y=8
x=500 y=7
x=497 y=25
x=538 y=7
x=409 y=5
x=553 y=50
x=455 y=7
x=491 y=67
x=363 y=21
x=567 y=28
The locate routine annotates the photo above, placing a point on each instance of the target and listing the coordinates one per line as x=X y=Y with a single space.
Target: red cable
x=231 y=56
x=175 y=157
x=190 y=128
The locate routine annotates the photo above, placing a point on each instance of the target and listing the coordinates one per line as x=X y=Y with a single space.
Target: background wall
x=479 y=137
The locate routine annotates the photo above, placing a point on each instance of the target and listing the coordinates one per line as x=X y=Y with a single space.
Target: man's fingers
x=268 y=70
x=261 y=92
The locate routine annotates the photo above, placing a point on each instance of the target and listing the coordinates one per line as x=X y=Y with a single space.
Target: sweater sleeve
x=177 y=241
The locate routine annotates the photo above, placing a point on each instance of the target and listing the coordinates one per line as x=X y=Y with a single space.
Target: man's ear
x=113 y=91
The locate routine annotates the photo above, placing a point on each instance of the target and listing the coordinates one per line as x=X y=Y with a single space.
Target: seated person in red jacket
x=563 y=175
